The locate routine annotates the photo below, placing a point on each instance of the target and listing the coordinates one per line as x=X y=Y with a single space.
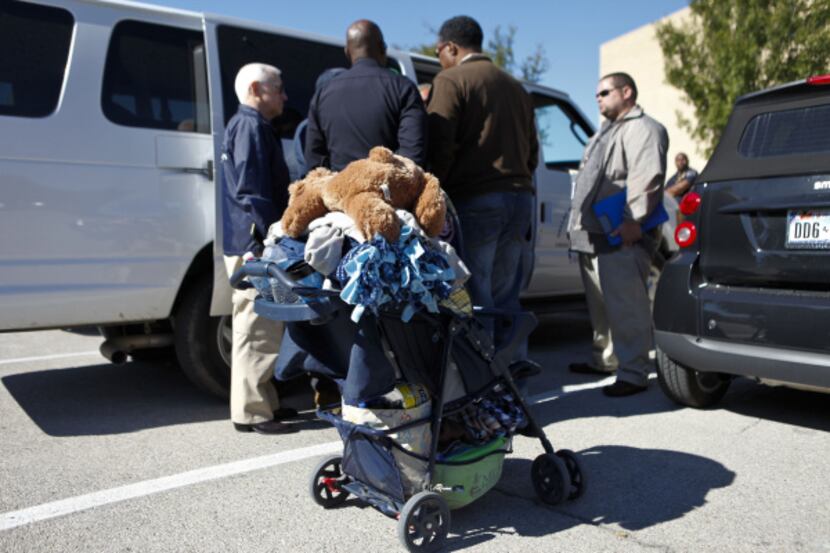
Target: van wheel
x=687 y=386
x=203 y=342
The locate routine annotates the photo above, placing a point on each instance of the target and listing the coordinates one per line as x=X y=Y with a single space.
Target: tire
x=687 y=386
x=575 y=472
x=324 y=490
x=550 y=478
x=424 y=522
x=202 y=342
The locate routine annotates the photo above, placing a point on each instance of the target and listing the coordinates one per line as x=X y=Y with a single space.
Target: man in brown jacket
x=483 y=147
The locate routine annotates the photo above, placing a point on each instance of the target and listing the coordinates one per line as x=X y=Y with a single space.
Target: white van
x=111 y=119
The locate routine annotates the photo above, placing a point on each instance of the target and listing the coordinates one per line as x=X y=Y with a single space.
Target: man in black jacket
x=364 y=107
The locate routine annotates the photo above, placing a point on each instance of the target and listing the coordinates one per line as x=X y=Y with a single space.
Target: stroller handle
x=270 y=269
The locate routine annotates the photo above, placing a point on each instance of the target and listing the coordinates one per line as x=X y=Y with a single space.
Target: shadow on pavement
x=626 y=486
x=111 y=399
x=778 y=404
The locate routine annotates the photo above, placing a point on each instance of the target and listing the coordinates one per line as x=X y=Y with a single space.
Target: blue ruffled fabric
x=409 y=275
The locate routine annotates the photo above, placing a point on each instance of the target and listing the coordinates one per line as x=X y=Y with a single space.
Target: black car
x=749 y=292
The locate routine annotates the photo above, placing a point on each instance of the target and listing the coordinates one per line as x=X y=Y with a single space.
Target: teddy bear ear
x=381 y=154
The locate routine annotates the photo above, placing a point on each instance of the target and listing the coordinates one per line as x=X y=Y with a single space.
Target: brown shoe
x=621 y=389
x=267 y=427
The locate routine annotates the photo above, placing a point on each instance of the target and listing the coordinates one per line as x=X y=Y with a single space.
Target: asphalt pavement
x=131 y=458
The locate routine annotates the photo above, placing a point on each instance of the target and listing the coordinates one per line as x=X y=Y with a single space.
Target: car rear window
x=789 y=132
x=34 y=47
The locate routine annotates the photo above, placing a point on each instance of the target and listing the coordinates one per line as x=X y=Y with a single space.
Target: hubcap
x=224 y=338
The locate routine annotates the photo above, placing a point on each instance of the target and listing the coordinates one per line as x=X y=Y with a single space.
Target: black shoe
x=524 y=369
x=585 y=368
x=285 y=413
x=621 y=389
x=267 y=427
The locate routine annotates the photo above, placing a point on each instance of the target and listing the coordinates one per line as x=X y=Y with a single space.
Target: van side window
x=562 y=137
x=155 y=77
x=34 y=47
x=300 y=60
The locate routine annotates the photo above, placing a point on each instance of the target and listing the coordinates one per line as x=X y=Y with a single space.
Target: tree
x=732 y=47
x=500 y=50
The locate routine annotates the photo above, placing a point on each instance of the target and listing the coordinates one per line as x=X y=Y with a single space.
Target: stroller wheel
x=424 y=522
x=577 y=487
x=325 y=483
x=551 y=479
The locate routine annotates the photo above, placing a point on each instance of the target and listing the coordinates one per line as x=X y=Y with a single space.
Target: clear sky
x=570 y=31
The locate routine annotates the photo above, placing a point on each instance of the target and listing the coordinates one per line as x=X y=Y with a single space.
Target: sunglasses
x=606 y=92
x=439 y=48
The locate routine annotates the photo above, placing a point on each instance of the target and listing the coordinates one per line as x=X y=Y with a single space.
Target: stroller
x=439 y=352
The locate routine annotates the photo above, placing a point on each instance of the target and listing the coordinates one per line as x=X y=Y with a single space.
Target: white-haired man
x=254 y=195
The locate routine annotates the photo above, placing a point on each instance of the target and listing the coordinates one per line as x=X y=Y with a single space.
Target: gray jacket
x=627 y=153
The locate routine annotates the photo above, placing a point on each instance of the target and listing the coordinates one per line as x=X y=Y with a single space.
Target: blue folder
x=610 y=212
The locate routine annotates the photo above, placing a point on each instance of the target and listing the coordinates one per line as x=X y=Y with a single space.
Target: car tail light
x=690 y=203
x=819 y=80
x=685 y=234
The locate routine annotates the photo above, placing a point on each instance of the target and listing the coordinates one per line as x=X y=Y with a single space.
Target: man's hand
x=630 y=232
x=679 y=188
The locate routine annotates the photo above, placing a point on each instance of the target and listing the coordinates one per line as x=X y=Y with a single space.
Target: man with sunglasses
x=254 y=195
x=627 y=154
x=366 y=106
x=483 y=147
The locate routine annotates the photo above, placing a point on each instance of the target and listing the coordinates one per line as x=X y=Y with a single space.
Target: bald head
x=365 y=40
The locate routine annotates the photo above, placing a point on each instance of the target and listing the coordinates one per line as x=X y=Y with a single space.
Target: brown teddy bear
x=368 y=190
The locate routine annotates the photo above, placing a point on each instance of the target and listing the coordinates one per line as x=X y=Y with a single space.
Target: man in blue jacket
x=254 y=195
x=364 y=107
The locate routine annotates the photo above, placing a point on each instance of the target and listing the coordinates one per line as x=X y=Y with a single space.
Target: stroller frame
x=424 y=517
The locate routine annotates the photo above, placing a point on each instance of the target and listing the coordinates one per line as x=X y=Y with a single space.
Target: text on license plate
x=808 y=229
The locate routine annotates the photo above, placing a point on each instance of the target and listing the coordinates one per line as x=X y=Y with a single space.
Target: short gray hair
x=253 y=73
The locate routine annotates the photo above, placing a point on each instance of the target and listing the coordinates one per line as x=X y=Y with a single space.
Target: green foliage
x=500 y=49
x=732 y=47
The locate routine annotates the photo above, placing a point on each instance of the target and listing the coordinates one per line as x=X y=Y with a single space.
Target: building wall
x=638 y=54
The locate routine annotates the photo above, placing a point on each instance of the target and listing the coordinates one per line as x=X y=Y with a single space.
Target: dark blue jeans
x=496 y=228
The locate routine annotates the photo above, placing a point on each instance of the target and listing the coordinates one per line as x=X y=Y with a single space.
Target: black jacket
x=254 y=181
x=364 y=107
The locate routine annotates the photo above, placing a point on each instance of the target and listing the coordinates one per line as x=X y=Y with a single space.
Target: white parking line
x=140 y=489
x=47 y=357
x=75 y=504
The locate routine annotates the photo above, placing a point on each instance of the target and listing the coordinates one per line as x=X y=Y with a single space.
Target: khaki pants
x=256 y=342
x=602 y=349
x=623 y=277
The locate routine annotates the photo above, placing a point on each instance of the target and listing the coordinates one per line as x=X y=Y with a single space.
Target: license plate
x=808 y=230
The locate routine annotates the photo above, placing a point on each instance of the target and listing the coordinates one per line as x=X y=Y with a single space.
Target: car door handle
x=206 y=171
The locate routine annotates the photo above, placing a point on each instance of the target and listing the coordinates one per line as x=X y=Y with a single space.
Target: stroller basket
x=373 y=457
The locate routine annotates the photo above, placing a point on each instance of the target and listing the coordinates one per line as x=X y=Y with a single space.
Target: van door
x=104 y=191
x=301 y=61
x=563 y=134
